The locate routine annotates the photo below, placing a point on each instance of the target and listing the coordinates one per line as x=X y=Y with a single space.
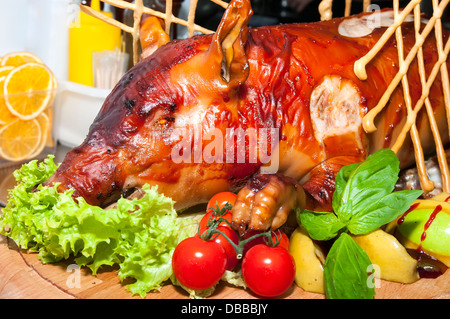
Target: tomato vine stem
x=212 y=229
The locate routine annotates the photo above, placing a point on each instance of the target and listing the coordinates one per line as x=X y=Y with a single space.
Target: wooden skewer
x=105 y=18
x=223 y=4
x=137 y=15
x=126 y=5
x=169 y=16
x=139 y=9
x=348 y=8
x=360 y=65
x=191 y=17
x=368 y=121
x=425 y=182
x=442 y=158
x=415 y=53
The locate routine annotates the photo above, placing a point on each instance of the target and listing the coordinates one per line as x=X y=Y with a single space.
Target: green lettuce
x=139 y=235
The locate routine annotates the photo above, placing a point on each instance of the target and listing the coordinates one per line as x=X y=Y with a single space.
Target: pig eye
x=165 y=120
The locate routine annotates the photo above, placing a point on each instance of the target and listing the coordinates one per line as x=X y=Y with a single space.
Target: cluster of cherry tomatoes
x=199 y=262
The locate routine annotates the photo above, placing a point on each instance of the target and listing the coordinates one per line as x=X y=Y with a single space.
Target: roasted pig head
x=153 y=126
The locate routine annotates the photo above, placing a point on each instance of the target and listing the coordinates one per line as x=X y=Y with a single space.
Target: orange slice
x=49 y=142
x=44 y=124
x=19 y=139
x=28 y=90
x=4 y=70
x=18 y=58
x=5 y=115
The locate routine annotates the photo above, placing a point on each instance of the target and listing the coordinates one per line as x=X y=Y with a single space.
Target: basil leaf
x=346 y=271
x=320 y=226
x=367 y=183
x=382 y=212
x=342 y=178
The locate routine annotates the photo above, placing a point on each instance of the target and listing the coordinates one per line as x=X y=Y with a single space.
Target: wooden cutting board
x=22 y=275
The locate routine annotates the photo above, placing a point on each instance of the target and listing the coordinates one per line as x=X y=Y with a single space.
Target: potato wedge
x=309 y=260
x=385 y=251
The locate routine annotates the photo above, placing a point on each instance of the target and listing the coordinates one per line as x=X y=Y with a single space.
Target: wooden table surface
x=22 y=275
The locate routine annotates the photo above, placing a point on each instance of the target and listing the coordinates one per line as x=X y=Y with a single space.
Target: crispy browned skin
x=152 y=35
x=270 y=77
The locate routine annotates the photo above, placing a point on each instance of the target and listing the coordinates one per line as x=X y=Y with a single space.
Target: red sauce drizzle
x=402 y=218
x=428 y=267
x=447 y=199
x=429 y=221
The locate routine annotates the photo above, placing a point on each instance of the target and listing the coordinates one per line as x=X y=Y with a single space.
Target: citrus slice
x=18 y=58
x=19 y=139
x=4 y=70
x=28 y=90
x=49 y=142
x=44 y=124
x=5 y=115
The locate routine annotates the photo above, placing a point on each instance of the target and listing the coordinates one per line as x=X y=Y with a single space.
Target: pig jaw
x=93 y=175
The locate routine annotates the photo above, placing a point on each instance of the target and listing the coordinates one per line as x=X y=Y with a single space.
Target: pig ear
x=152 y=35
x=228 y=43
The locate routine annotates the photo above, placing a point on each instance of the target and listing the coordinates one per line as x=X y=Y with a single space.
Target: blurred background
x=40 y=26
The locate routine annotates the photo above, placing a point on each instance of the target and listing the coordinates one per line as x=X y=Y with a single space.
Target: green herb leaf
x=346 y=271
x=382 y=212
x=320 y=226
x=342 y=178
x=362 y=202
x=359 y=186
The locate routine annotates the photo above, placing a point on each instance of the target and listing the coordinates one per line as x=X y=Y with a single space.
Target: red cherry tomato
x=268 y=271
x=210 y=216
x=277 y=235
x=221 y=199
x=198 y=264
x=217 y=201
x=229 y=249
x=282 y=237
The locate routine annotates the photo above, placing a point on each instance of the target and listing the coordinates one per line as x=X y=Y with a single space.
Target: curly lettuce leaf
x=140 y=234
